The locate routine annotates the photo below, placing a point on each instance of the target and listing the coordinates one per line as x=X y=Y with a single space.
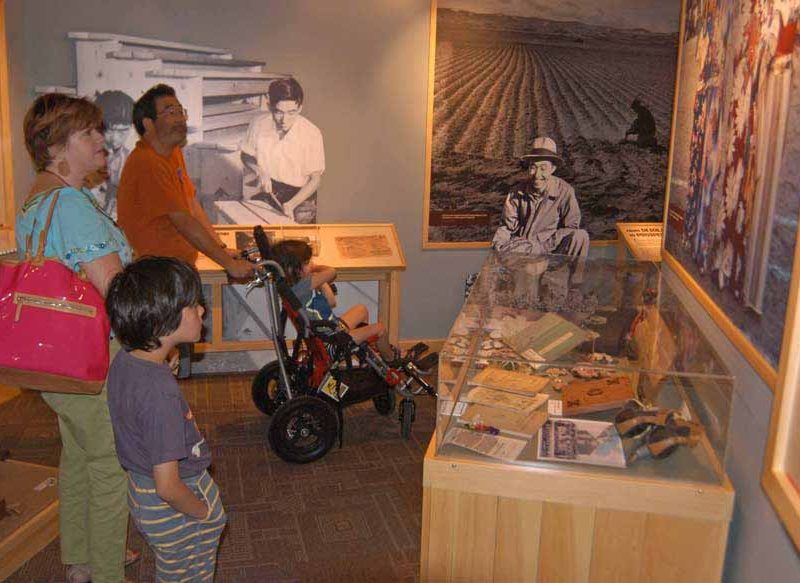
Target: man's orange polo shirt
x=151 y=187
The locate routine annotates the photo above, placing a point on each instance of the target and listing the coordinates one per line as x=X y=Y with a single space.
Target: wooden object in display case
x=492 y=522
x=588 y=396
x=31 y=522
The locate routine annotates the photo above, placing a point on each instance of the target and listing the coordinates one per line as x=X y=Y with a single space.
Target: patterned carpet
x=353 y=516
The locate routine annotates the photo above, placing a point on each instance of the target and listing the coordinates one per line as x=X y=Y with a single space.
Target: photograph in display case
x=582 y=442
x=734 y=191
x=592 y=84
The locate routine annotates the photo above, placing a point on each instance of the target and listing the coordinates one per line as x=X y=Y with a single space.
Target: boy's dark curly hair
x=146 y=299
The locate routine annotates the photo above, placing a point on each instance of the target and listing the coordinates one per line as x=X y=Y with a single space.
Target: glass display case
x=591 y=366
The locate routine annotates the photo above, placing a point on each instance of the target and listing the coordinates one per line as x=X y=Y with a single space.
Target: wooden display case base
x=33 y=491
x=486 y=522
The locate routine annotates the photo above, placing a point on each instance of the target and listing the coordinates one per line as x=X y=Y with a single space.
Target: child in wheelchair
x=333 y=362
x=311 y=284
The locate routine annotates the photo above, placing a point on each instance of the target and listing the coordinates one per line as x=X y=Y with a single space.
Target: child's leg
x=185 y=548
x=355 y=316
x=358 y=315
x=381 y=343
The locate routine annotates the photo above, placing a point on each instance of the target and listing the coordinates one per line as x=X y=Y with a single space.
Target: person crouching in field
x=544 y=216
x=154 y=304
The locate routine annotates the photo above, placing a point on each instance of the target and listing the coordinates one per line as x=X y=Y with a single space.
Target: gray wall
x=364 y=68
x=758 y=547
x=363 y=65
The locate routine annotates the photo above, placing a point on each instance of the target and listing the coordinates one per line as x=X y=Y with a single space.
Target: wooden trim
x=426 y=202
x=684 y=499
x=233 y=346
x=757 y=360
x=675 y=98
x=782 y=493
x=6 y=160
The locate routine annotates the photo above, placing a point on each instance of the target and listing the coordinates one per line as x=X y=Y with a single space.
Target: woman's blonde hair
x=52 y=119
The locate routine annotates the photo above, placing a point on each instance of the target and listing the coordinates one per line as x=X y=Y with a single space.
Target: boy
x=154 y=304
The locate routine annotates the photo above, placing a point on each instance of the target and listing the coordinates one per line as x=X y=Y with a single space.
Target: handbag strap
x=45 y=230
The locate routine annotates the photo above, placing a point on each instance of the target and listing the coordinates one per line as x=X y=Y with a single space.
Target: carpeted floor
x=353 y=516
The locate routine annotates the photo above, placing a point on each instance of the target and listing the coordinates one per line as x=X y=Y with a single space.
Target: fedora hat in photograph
x=544 y=148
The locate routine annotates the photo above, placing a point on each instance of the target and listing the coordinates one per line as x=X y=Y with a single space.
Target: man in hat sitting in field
x=544 y=217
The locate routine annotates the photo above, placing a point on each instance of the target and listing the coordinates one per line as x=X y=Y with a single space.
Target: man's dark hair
x=292 y=255
x=117 y=107
x=145 y=106
x=285 y=90
x=145 y=300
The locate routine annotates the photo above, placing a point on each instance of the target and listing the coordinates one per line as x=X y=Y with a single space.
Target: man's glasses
x=174 y=111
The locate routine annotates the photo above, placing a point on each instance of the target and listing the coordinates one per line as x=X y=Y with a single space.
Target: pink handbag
x=54 y=330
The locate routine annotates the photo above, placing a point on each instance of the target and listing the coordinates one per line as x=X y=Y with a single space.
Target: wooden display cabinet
x=497 y=504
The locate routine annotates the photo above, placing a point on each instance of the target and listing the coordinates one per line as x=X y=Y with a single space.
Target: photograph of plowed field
x=500 y=81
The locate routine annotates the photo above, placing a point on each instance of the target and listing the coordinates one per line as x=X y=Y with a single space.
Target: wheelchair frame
x=306 y=389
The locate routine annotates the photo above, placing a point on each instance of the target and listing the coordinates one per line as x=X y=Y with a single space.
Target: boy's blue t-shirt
x=152 y=421
x=313 y=300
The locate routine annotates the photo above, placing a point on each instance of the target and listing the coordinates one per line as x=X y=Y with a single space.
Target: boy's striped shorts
x=185 y=547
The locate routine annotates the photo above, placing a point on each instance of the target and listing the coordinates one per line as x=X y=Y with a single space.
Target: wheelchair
x=322 y=371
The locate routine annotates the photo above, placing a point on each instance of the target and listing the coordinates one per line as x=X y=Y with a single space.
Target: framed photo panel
x=734 y=189
x=596 y=79
x=6 y=181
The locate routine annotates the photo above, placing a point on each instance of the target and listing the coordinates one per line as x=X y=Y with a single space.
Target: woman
x=64 y=137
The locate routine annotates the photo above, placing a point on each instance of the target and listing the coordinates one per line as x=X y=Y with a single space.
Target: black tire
x=407 y=414
x=267 y=390
x=384 y=404
x=303 y=430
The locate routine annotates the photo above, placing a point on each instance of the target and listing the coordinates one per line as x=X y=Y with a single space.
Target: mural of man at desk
x=250 y=153
x=283 y=156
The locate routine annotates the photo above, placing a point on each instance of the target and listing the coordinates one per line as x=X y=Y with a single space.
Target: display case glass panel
x=592 y=365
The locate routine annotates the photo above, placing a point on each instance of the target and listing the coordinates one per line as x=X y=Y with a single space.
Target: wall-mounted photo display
x=585 y=90
x=735 y=170
x=251 y=152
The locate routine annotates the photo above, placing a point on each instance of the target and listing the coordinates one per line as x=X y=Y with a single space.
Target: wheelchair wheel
x=384 y=404
x=303 y=430
x=267 y=389
x=407 y=415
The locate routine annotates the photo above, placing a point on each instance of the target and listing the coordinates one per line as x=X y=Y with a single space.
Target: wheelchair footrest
x=428 y=362
x=416 y=351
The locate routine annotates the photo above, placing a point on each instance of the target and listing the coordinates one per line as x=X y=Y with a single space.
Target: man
x=643 y=127
x=157 y=206
x=117 y=109
x=283 y=155
x=544 y=217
